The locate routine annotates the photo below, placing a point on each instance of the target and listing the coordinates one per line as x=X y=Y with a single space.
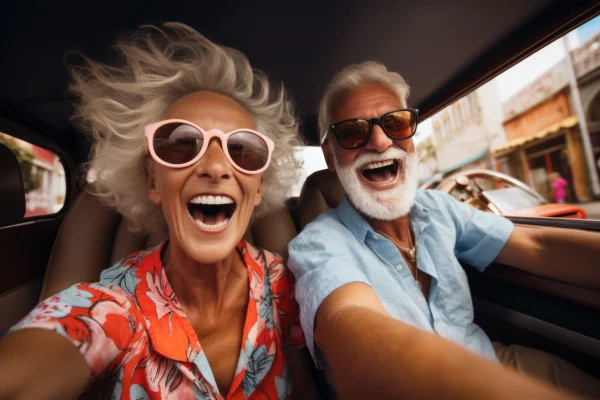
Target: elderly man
x=387 y=261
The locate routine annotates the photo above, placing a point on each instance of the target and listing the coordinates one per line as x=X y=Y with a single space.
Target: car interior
x=443 y=49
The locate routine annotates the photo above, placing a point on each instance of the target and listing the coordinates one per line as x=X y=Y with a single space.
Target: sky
x=508 y=84
x=589 y=29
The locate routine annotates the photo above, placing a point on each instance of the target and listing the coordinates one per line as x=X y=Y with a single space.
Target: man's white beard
x=386 y=205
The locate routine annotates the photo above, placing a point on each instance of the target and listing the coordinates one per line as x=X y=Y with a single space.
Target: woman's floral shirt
x=139 y=344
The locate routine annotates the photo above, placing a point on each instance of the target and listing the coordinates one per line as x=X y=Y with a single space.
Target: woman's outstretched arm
x=41 y=364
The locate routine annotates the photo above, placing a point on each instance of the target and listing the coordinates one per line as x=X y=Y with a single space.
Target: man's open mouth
x=211 y=212
x=381 y=172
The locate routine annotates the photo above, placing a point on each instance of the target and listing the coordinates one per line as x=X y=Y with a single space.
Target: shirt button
x=399 y=267
x=420 y=298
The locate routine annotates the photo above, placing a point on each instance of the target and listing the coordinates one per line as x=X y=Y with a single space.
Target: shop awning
x=568 y=122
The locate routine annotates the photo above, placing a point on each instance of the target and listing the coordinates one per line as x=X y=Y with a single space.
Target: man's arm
x=567 y=255
x=371 y=355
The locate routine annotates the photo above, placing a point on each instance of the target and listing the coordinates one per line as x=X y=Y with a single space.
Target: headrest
x=326 y=182
x=321 y=192
x=11 y=188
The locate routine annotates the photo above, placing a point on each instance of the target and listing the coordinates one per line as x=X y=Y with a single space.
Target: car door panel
x=17 y=302
x=578 y=295
x=513 y=314
x=25 y=250
x=515 y=307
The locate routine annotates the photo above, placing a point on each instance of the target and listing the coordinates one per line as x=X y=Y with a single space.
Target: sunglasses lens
x=177 y=143
x=248 y=151
x=399 y=124
x=353 y=133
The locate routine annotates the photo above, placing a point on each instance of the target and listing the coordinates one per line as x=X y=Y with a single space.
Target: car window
x=43 y=174
x=537 y=122
x=312 y=161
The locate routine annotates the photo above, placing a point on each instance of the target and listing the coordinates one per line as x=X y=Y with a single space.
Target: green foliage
x=31 y=180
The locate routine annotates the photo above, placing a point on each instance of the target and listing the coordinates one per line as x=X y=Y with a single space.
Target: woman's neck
x=203 y=287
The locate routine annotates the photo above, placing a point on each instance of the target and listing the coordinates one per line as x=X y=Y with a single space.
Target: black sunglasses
x=356 y=132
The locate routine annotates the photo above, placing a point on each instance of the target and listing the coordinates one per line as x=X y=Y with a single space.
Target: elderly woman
x=187 y=138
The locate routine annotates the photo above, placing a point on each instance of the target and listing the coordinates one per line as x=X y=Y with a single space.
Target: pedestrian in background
x=559 y=187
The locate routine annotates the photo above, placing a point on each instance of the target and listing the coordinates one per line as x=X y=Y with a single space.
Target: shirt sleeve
x=98 y=320
x=480 y=236
x=320 y=264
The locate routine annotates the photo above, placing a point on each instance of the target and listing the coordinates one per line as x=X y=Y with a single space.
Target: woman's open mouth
x=211 y=212
x=381 y=172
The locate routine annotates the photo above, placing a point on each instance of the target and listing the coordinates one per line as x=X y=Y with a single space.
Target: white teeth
x=208 y=199
x=223 y=200
x=378 y=164
x=212 y=227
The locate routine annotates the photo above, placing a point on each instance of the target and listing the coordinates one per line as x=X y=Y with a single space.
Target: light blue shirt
x=341 y=247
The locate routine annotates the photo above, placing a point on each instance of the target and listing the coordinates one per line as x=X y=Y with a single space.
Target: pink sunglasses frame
x=151 y=129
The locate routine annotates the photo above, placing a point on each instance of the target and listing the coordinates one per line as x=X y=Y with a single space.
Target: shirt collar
x=358 y=225
x=168 y=328
x=353 y=221
x=419 y=218
x=170 y=332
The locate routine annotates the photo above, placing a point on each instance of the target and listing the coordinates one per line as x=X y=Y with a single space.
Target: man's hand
x=567 y=255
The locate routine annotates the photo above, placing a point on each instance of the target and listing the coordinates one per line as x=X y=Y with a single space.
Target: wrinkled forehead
x=365 y=101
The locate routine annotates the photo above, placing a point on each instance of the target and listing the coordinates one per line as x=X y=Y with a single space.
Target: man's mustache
x=389 y=154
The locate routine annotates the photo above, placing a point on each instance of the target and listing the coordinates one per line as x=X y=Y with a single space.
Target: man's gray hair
x=352 y=77
x=159 y=67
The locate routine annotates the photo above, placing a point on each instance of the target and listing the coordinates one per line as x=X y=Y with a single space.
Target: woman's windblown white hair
x=352 y=77
x=160 y=67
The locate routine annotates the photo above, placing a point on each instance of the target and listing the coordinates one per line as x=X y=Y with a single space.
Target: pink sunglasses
x=178 y=143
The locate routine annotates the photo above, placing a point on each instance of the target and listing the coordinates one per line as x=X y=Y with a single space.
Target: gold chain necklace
x=411 y=253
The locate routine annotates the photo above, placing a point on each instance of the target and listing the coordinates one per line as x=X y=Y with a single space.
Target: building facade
x=428 y=164
x=43 y=175
x=465 y=131
x=586 y=60
x=49 y=198
x=542 y=128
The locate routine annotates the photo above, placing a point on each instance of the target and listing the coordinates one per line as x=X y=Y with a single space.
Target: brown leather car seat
x=93 y=237
x=321 y=192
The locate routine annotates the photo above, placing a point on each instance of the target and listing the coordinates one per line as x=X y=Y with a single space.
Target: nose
x=379 y=141
x=214 y=164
